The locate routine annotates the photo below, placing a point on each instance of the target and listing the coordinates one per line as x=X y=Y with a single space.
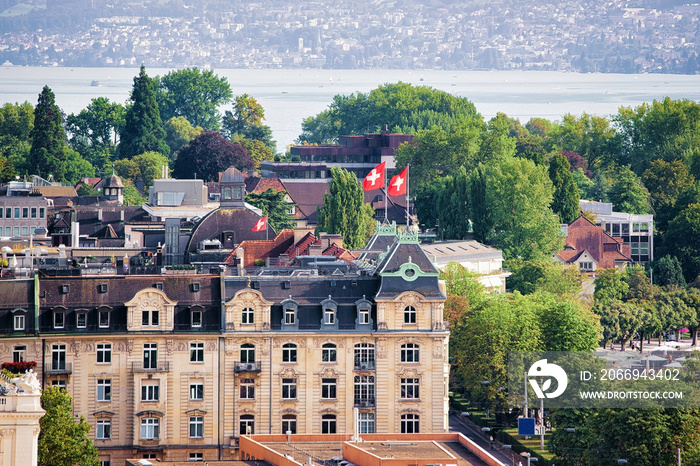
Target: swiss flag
x=375 y=178
x=261 y=225
x=397 y=185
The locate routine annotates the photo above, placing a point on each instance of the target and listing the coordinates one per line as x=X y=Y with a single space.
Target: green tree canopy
x=143 y=127
x=194 y=94
x=666 y=181
x=257 y=150
x=62 y=440
x=627 y=193
x=178 y=133
x=682 y=239
x=94 y=132
x=344 y=210
x=47 y=155
x=566 y=195
x=274 y=205
x=668 y=272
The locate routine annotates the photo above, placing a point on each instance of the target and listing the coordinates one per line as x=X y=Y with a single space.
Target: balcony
x=364 y=365
x=162 y=366
x=247 y=366
x=364 y=402
x=59 y=368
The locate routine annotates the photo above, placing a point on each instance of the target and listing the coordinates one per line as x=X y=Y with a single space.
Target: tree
x=344 y=211
x=682 y=239
x=77 y=167
x=257 y=150
x=627 y=193
x=178 y=133
x=47 y=155
x=544 y=275
x=194 y=94
x=246 y=112
x=668 y=272
x=666 y=181
x=567 y=323
x=566 y=195
x=94 y=131
x=209 y=154
x=16 y=124
x=62 y=440
x=143 y=128
x=452 y=205
x=274 y=206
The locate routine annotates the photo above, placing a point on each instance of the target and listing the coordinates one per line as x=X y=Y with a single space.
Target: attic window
x=102 y=287
x=65 y=289
x=158 y=286
x=286 y=284
x=195 y=286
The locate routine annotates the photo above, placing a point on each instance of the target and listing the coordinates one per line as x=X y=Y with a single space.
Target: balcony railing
x=60 y=368
x=247 y=366
x=364 y=402
x=162 y=366
x=364 y=365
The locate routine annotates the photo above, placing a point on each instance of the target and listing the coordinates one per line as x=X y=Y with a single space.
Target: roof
x=585 y=236
x=307 y=197
x=254 y=184
x=112 y=182
x=56 y=191
x=231 y=175
x=262 y=249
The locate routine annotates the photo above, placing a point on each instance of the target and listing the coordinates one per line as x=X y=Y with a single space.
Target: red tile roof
x=583 y=235
x=262 y=249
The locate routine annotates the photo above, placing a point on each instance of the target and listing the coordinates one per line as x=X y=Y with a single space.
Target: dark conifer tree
x=566 y=195
x=47 y=156
x=143 y=131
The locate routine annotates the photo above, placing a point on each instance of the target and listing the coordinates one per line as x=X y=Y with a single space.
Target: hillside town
x=612 y=36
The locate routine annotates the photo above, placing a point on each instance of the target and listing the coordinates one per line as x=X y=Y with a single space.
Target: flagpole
x=386 y=196
x=408 y=205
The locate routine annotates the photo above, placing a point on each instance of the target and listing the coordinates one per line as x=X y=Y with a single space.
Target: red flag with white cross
x=261 y=225
x=397 y=185
x=375 y=178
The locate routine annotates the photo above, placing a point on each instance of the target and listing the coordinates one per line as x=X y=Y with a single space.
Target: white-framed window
x=247 y=352
x=290 y=316
x=363 y=317
x=19 y=322
x=19 y=354
x=196 y=427
x=247 y=391
x=328 y=388
x=59 y=383
x=196 y=456
x=328 y=424
x=247 y=424
x=410 y=389
x=366 y=421
x=289 y=352
x=58 y=357
x=289 y=424
x=197 y=352
x=104 y=353
x=103 y=430
x=364 y=390
x=150 y=428
x=81 y=319
x=33 y=213
x=104 y=319
x=409 y=315
x=150 y=392
x=329 y=316
x=585 y=266
x=410 y=352
x=150 y=318
x=328 y=352
x=25 y=231
x=364 y=356
x=410 y=424
x=289 y=389
x=42 y=212
x=105 y=462
x=247 y=316
x=196 y=391
x=104 y=390
x=59 y=319
x=196 y=318
x=150 y=355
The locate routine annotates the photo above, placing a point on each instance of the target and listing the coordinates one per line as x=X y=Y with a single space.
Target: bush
x=260 y=262
x=19 y=367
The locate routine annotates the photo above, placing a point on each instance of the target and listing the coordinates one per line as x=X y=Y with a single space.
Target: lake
x=289 y=96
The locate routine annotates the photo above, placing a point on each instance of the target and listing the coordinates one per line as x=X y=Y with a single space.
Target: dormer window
x=289 y=314
x=226 y=193
x=237 y=193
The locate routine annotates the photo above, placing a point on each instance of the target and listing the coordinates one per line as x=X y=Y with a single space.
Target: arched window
x=247 y=352
x=289 y=352
x=328 y=352
x=328 y=424
x=364 y=356
x=289 y=424
x=248 y=316
x=247 y=424
x=409 y=315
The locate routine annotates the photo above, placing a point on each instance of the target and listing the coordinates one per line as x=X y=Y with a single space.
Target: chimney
x=240 y=254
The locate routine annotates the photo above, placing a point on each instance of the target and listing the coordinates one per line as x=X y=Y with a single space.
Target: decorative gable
x=150 y=309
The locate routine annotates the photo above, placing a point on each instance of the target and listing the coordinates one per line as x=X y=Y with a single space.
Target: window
x=196 y=391
x=247 y=352
x=59 y=384
x=289 y=424
x=409 y=389
x=247 y=424
x=16 y=231
x=196 y=319
x=65 y=289
x=410 y=352
x=329 y=316
x=81 y=320
x=149 y=456
x=290 y=314
x=19 y=322
x=150 y=428
x=150 y=356
x=8 y=212
x=104 y=353
x=17 y=212
x=103 y=430
x=328 y=389
x=42 y=212
x=328 y=424
x=59 y=319
x=197 y=352
x=364 y=390
x=8 y=231
x=196 y=427
x=58 y=357
x=33 y=212
x=104 y=390
x=247 y=389
x=248 y=316
x=363 y=317
x=289 y=352
x=149 y=318
x=195 y=286
x=196 y=456
x=366 y=421
x=585 y=266
x=104 y=462
x=409 y=315
x=19 y=354
x=289 y=389
x=409 y=424
x=364 y=356
x=104 y=319
x=150 y=392
x=25 y=212
x=25 y=231
x=328 y=352
x=102 y=288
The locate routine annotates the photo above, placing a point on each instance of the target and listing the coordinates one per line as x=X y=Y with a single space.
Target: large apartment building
x=177 y=367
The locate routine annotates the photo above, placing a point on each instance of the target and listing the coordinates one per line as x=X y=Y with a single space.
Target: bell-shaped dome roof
x=113 y=182
x=232 y=175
